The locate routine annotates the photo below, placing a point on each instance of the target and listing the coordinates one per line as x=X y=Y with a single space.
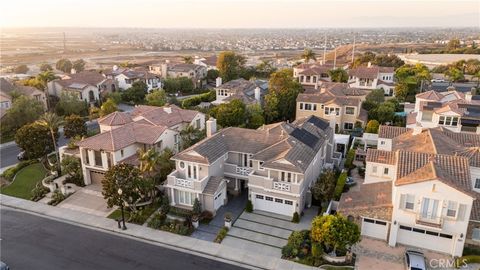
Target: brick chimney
x=211 y=126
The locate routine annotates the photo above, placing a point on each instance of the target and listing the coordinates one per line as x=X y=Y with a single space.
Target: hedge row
x=342 y=179
x=194 y=101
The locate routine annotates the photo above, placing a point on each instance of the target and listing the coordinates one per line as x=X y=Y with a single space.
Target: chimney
x=73 y=71
x=211 y=126
x=322 y=90
x=316 y=85
x=115 y=68
x=417 y=130
x=164 y=70
x=333 y=122
x=369 y=64
x=218 y=81
x=257 y=94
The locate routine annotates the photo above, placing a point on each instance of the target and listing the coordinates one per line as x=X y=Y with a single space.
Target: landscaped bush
x=298 y=245
x=194 y=101
x=57 y=197
x=180 y=212
x=206 y=217
x=160 y=222
x=164 y=205
x=157 y=221
x=295 y=218
x=221 y=234
x=471 y=251
x=39 y=192
x=466 y=260
x=340 y=186
x=10 y=173
x=249 y=207
x=349 y=159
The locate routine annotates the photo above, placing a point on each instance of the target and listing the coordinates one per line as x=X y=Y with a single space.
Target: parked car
x=415 y=260
x=4 y=266
x=438 y=80
x=350 y=182
x=22 y=156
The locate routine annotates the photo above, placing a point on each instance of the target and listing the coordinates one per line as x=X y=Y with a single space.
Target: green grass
x=147 y=212
x=25 y=181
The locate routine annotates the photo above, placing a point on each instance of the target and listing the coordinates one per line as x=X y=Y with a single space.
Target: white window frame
x=350 y=107
x=409 y=200
x=476 y=185
x=452 y=206
x=476 y=234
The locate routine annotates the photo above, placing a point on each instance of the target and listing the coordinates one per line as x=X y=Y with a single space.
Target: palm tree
x=45 y=78
x=188 y=59
x=309 y=54
x=149 y=160
x=190 y=135
x=52 y=122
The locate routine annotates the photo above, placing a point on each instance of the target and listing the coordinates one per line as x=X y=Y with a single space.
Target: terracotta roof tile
x=390 y=132
x=381 y=156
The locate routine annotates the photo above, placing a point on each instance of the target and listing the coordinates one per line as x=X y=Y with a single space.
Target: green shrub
x=165 y=205
x=470 y=250
x=180 y=212
x=340 y=185
x=287 y=251
x=317 y=250
x=194 y=101
x=197 y=207
x=249 y=207
x=295 y=218
x=39 y=192
x=157 y=221
x=57 y=197
x=466 y=260
x=349 y=159
x=221 y=234
x=10 y=173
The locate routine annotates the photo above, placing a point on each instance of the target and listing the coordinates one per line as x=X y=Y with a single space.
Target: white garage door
x=427 y=239
x=274 y=205
x=375 y=228
x=218 y=200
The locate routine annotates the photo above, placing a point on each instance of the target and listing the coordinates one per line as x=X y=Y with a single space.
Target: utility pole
x=324 y=49
x=353 y=50
x=64 y=44
x=335 y=58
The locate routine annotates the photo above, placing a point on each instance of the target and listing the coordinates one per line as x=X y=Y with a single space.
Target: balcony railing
x=429 y=220
x=184 y=183
x=234 y=169
x=281 y=186
x=243 y=170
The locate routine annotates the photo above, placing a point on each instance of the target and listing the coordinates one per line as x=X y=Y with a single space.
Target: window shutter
x=402 y=201
x=461 y=212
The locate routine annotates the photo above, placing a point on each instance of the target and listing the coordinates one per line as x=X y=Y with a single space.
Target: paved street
x=9 y=151
x=32 y=242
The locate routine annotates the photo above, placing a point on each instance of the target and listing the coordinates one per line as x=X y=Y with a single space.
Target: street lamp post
x=120 y=191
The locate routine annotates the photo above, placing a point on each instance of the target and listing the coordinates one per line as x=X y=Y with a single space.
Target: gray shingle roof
x=213 y=183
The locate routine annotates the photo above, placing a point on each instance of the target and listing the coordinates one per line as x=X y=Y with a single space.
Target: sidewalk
x=189 y=244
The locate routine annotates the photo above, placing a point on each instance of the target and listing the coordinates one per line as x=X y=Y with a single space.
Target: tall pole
x=64 y=44
x=335 y=58
x=353 y=50
x=324 y=49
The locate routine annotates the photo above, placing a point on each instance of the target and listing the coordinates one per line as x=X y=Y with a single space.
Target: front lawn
x=25 y=181
x=142 y=216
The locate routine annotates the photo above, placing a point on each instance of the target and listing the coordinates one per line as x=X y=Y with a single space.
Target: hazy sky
x=239 y=13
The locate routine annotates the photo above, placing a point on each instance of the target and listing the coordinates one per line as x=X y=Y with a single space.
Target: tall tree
x=79 y=65
x=74 y=126
x=24 y=110
x=280 y=102
x=453 y=44
x=309 y=54
x=156 y=98
x=136 y=93
x=324 y=187
x=46 y=77
x=264 y=69
x=372 y=126
x=338 y=75
x=45 y=67
x=187 y=59
x=108 y=107
x=69 y=104
x=230 y=114
x=454 y=74
x=52 y=122
x=64 y=65
x=149 y=160
x=230 y=65
x=335 y=231
x=189 y=136
x=35 y=140
x=254 y=116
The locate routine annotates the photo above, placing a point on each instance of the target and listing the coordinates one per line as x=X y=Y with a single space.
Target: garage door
x=96 y=177
x=274 y=205
x=218 y=200
x=427 y=239
x=375 y=228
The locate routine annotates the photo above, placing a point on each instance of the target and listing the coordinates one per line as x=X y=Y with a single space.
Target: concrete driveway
x=88 y=200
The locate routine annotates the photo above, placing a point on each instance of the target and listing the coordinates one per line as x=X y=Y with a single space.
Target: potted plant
x=228 y=220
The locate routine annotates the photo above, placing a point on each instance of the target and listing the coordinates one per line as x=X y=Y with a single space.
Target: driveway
x=88 y=200
x=377 y=254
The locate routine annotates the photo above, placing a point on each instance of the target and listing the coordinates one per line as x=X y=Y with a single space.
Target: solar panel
x=305 y=137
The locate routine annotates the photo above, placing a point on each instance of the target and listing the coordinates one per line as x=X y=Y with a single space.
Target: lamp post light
x=120 y=191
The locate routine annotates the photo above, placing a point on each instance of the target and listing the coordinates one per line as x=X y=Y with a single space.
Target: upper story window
x=350 y=110
x=286 y=176
x=382 y=142
x=348 y=126
x=197 y=123
x=192 y=171
x=477 y=183
x=452 y=209
x=476 y=234
x=332 y=111
x=98 y=158
x=159 y=144
x=87 y=157
x=407 y=201
x=385 y=171
x=374 y=169
x=448 y=120
x=260 y=165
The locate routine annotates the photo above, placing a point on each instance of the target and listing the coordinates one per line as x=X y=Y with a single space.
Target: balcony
x=237 y=170
x=184 y=183
x=173 y=179
x=428 y=220
x=281 y=186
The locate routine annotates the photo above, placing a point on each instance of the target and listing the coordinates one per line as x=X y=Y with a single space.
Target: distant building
x=372 y=77
x=312 y=74
x=7 y=88
x=453 y=110
x=250 y=92
x=209 y=62
x=196 y=73
x=125 y=77
x=337 y=102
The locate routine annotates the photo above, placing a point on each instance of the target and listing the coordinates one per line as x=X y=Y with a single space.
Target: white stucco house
x=372 y=77
x=87 y=85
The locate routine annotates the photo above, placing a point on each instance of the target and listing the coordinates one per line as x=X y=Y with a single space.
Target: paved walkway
x=265 y=233
x=191 y=245
x=88 y=200
x=235 y=206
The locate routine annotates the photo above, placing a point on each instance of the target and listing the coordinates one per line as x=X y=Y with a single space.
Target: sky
x=239 y=13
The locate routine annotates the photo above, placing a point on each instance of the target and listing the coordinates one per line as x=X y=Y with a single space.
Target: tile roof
x=412 y=118
x=168 y=115
x=6 y=87
x=415 y=167
x=390 y=132
x=123 y=136
x=381 y=156
x=82 y=79
x=369 y=72
x=338 y=93
x=244 y=90
x=115 y=119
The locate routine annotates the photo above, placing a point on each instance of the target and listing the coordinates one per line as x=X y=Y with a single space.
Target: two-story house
x=453 y=110
x=277 y=164
x=250 y=92
x=125 y=77
x=421 y=189
x=196 y=73
x=123 y=134
x=312 y=74
x=7 y=88
x=334 y=101
x=210 y=62
x=87 y=85
x=372 y=77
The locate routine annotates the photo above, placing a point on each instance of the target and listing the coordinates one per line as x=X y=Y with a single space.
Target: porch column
x=392 y=240
x=236 y=184
x=172 y=197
